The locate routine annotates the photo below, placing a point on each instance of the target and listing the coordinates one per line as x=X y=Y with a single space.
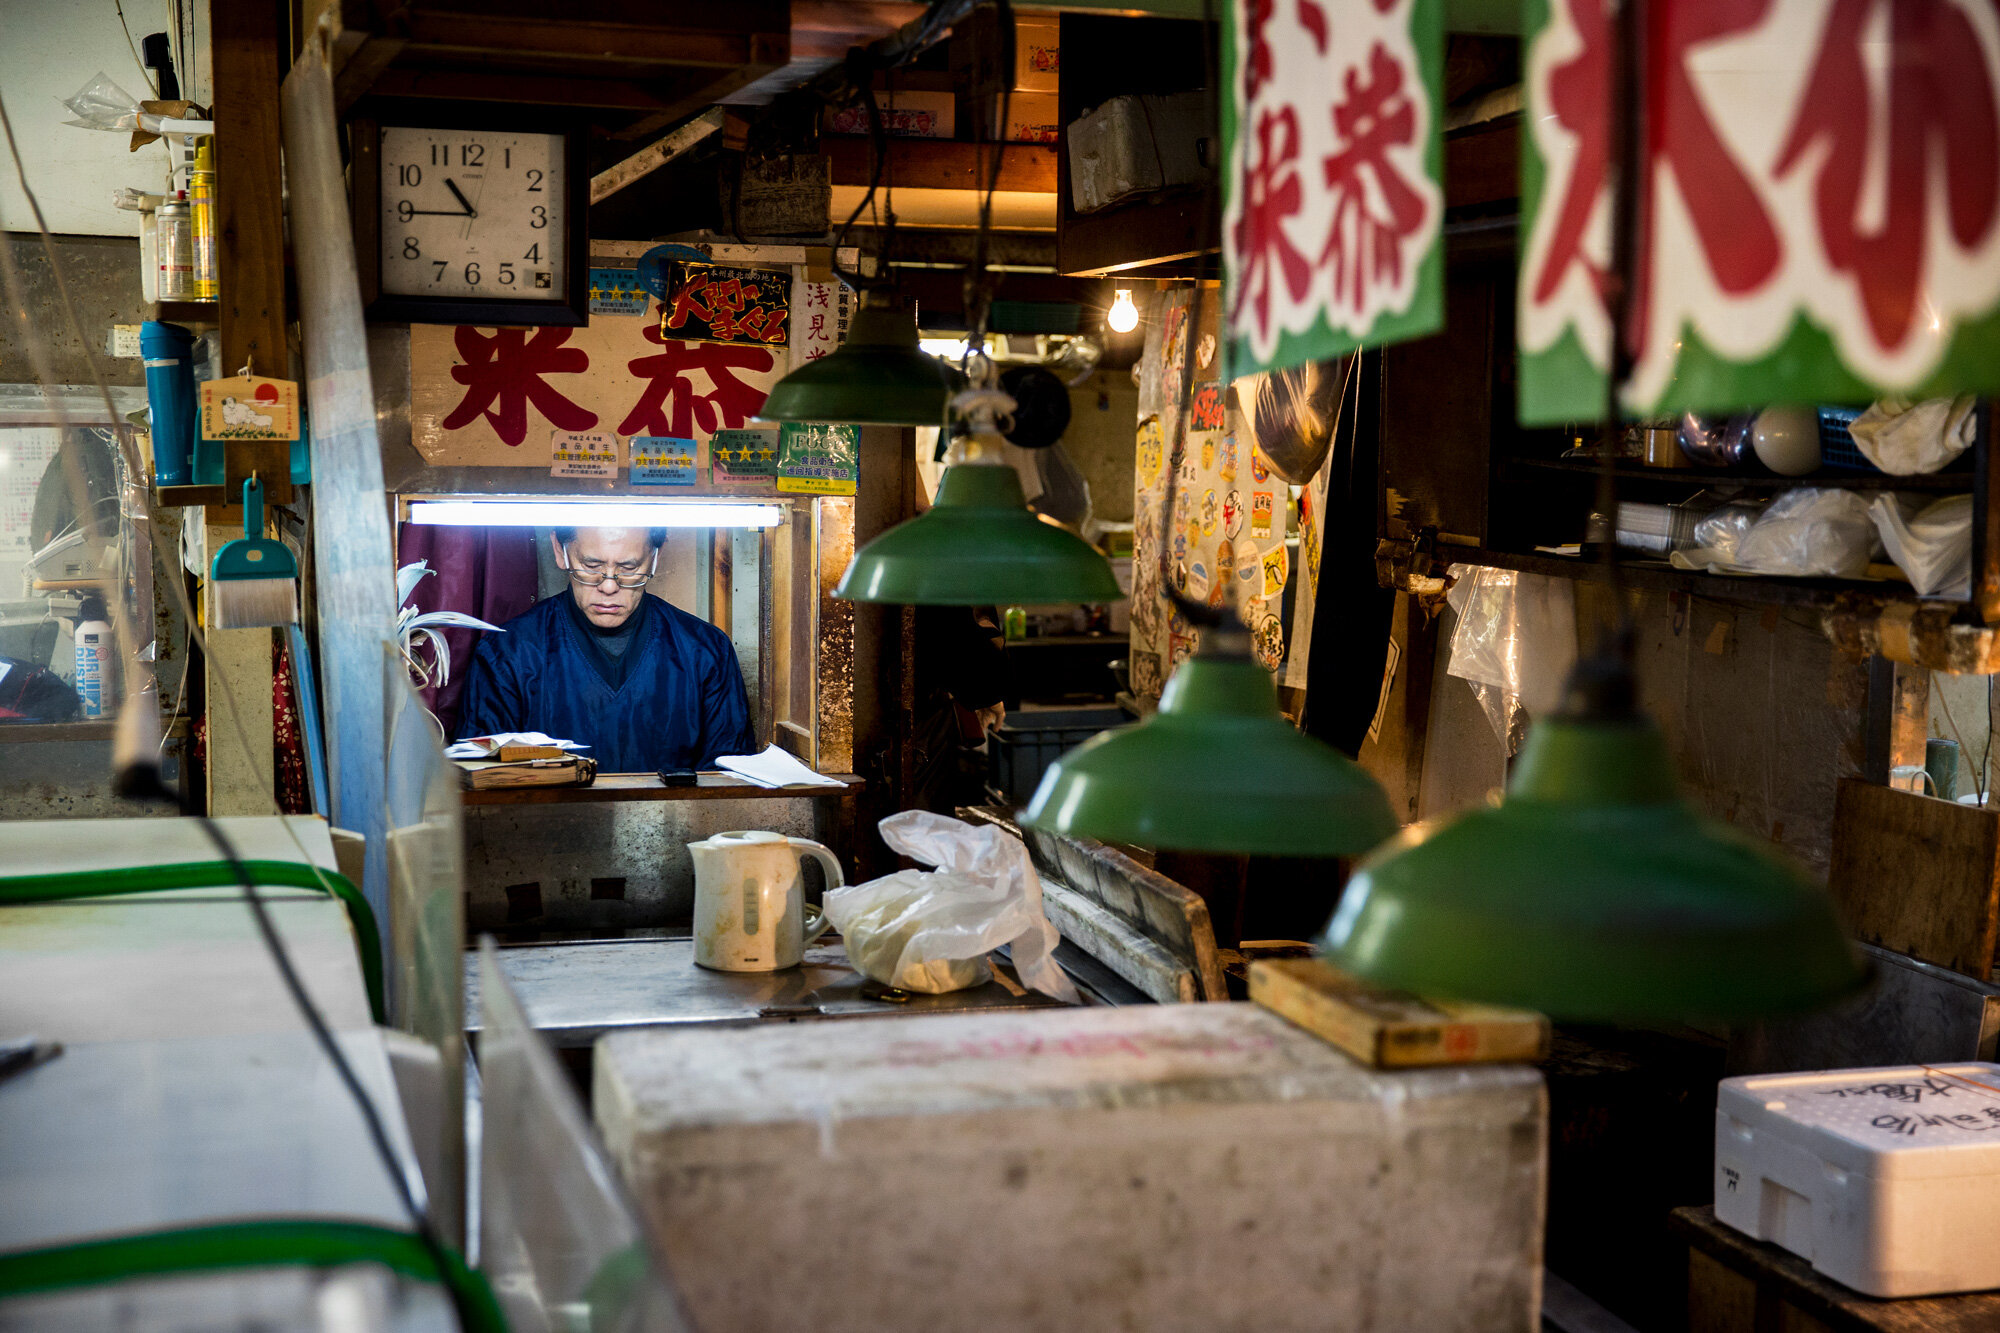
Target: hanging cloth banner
x=1820 y=207
x=1333 y=207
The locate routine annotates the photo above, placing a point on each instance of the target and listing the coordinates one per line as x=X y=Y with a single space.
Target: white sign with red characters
x=1819 y=204
x=1331 y=224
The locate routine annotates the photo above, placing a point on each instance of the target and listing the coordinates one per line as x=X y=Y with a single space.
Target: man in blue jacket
x=644 y=684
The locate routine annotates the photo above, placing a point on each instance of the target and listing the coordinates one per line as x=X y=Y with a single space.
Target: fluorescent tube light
x=595 y=513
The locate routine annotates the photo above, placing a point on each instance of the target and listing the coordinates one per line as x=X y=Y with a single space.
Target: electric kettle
x=750 y=911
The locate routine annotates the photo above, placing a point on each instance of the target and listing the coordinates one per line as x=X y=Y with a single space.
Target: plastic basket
x=1022 y=748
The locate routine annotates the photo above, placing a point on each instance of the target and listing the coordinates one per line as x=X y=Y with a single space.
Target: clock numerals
x=461 y=216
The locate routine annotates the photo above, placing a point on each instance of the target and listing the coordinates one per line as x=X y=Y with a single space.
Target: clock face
x=473 y=213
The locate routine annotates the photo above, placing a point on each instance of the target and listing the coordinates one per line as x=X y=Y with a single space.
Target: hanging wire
x=145 y=70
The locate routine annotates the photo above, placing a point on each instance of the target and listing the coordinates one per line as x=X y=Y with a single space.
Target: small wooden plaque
x=1392 y=1031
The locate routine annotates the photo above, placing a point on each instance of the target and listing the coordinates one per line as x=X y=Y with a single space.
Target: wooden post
x=250 y=270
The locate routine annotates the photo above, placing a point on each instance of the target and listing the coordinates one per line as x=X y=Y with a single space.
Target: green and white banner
x=1820 y=204
x=1333 y=206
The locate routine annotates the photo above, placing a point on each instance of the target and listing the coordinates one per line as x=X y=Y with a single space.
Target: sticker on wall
x=1197 y=582
x=1232 y=515
x=1260 y=514
x=1260 y=469
x=817 y=459
x=1226 y=462
x=1180 y=647
x=1208 y=455
x=1269 y=639
x=1205 y=412
x=663 y=460
x=743 y=458
x=709 y=303
x=616 y=291
x=1146 y=680
x=1152 y=447
x=249 y=407
x=1249 y=577
x=583 y=453
x=1276 y=570
x=1180 y=575
x=1209 y=510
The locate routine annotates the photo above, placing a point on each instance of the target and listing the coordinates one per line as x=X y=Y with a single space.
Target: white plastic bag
x=932 y=932
x=1904 y=438
x=1934 y=548
x=1810 y=531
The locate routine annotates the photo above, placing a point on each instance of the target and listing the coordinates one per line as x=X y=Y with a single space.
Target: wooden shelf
x=943 y=164
x=187 y=312
x=1959 y=481
x=1659 y=576
x=648 y=787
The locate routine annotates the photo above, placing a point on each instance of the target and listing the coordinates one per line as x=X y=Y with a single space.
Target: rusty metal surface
x=575 y=993
x=1925 y=634
x=600 y=866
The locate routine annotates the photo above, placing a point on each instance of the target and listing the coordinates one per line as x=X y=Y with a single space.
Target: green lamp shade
x=978 y=545
x=1216 y=769
x=879 y=376
x=1593 y=893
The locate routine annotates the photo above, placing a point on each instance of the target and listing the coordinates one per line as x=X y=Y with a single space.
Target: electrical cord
x=139 y=777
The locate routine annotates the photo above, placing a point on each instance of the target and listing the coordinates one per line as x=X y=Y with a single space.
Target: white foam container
x=1885 y=1179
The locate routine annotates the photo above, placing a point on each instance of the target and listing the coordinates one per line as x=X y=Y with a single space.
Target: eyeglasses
x=596 y=578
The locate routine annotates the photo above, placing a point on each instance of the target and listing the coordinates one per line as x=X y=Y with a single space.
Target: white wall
x=48 y=50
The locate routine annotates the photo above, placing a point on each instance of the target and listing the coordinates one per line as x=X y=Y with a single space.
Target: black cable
x=409 y=1192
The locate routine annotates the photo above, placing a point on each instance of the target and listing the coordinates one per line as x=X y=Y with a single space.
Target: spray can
x=201 y=208
x=93 y=657
x=174 y=243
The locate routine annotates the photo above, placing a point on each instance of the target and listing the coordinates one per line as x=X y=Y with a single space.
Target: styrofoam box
x=1194 y=1166
x=1885 y=1179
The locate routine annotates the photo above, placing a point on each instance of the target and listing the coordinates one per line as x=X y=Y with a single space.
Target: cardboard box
x=1037 y=54
x=1178 y=1166
x=906 y=114
x=1033 y=118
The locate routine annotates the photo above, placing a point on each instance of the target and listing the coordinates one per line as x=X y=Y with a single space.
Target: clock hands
x=464 y=210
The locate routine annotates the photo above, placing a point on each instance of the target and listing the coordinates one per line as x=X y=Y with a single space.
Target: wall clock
x=471 y=215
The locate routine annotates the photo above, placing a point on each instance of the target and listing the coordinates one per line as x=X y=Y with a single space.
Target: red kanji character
x=727 y=405
x=1363 y=244
x=819 y=294
x=507 y=369
x=818 y=327
x=1939 y=113
x=1271 y=193
x=1257 y=57
x=1735 y=231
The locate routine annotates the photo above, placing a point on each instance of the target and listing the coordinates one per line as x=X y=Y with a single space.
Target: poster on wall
x=496 y=396
x=1333 y=204
x=1819 y=207
x=710 y=303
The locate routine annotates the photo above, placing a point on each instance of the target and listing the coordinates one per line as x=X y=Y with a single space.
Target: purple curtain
x=484 y=572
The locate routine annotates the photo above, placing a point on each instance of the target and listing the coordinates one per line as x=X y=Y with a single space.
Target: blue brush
x=253 y=580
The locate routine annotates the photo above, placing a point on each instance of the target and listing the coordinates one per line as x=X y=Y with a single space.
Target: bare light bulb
x=1124 y=316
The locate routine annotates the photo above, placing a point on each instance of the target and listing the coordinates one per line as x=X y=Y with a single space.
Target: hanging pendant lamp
x=1216 y=769
x=879 y=376
x=1593 y=892
x=979 y=544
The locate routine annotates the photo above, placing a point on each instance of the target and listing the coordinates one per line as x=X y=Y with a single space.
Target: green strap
x=213 y=874
x=309 y=1243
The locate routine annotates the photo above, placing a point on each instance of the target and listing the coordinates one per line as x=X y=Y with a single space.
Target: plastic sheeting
x=353 y=562
x=1514 y=643
x=559 y=1239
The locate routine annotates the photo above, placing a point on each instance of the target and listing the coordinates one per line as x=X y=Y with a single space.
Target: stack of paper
x=774 y=768
x=487 y=747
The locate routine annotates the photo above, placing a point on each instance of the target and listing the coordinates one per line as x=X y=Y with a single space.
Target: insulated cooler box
x=1159 y=1167
x=1885 y=1179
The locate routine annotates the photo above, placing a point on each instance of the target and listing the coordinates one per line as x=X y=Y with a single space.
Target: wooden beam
x=654 y=156
x=944 y=164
